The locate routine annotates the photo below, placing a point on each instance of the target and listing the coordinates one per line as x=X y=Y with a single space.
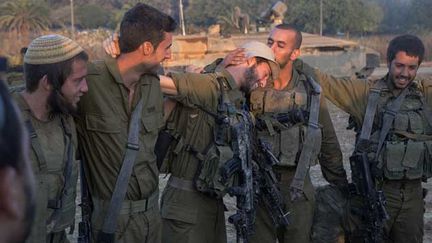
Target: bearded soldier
x=55 y=70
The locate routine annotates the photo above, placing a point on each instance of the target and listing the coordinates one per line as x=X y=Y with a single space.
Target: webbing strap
x=297 y=184
x=389 y=115
x=132 y=147
x=67 y=174
x=36 y=146
x=372 y=105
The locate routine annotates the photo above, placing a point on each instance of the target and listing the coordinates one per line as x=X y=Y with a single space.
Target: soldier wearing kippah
x=55 y=70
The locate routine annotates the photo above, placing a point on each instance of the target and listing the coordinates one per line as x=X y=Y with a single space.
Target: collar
x=112 y=67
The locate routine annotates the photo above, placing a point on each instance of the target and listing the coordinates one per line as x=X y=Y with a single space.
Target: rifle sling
x=67 y=173
x=309 y=144
x=132 y=148
x=374 y=94
x=57 y=203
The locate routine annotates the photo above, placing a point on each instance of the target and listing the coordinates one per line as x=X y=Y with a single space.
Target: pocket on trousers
x=179 y=212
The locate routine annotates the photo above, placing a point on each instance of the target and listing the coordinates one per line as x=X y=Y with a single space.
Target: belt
x=182 y=184
x=129 y=206
x=404 y=183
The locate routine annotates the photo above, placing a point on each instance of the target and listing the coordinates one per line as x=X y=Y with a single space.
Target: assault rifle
x=84 y=227
x=373 y=210
x=269 y=192
x=289 y=118
x=241 y=167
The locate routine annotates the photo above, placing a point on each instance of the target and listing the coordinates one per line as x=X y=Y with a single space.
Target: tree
x=92 y=16
x=419 y=16
x=24 y=16
x=357 y=16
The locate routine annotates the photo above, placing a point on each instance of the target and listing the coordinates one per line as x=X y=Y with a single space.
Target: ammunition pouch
x=208 y=177
x=404 y=159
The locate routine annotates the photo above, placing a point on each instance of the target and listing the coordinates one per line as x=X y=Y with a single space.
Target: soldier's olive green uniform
x=189 y=215
x=287 y=142
x=104 y=117
x=50 y=142
x=406 y=156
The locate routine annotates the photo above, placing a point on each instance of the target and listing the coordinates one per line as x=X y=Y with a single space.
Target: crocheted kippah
x=50 y=49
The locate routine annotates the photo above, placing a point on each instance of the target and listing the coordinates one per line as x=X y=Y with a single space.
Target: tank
x=338 y=57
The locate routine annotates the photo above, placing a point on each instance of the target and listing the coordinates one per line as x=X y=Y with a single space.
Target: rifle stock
x=373 y=210
x=269 y=191
x=84 y=227
x=241 y=166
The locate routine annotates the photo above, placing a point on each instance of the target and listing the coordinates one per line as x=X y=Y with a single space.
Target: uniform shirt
x=50 y=181
x=103 y=123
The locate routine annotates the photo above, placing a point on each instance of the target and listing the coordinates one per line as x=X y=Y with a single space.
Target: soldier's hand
x=111 y=45
x=234 y=58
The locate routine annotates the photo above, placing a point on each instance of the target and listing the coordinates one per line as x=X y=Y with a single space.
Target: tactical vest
x=217 y=152
x=407 y=149
x=286 y=137
x=57 y=189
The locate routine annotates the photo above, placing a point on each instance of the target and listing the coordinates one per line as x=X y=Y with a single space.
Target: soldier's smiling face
x=160 y=54
x=75 y=84
x=403 y=69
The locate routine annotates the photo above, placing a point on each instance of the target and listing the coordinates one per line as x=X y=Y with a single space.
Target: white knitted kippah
x=50 y=49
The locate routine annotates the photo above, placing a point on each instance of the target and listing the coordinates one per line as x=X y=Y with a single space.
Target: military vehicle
x=338 y=57
x=341 y=58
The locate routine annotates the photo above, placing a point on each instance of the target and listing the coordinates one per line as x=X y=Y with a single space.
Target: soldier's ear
x=45 y=84
x=146 y=48
x=295 y=54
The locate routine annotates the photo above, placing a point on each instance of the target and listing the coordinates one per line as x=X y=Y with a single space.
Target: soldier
x=292 y=93
x=400 y=135
x=16 y=179
x=55 y=69
x=125 y=96
x=192 y=207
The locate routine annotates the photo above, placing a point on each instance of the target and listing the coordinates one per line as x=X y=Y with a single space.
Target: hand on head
x=111 y=45
x=235 y=57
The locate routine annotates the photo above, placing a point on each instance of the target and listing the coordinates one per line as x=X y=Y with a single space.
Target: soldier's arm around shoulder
x=346 y=93
x=191 y=88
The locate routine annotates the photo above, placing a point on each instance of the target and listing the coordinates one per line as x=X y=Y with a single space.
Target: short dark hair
x=410 y=44
x=57 y=73
x=144 y=23
x=11 y=132
x=298 y=34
